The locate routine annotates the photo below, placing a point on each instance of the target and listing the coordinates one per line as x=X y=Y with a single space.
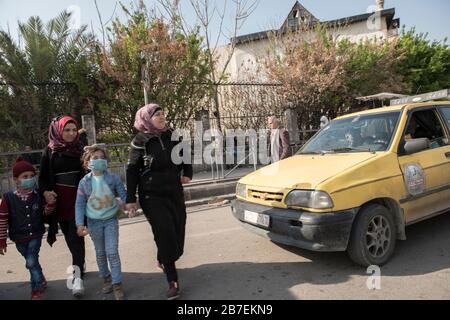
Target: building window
x=293 y=22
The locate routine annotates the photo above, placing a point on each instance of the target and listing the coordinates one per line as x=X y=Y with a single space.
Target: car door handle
x=447 y=154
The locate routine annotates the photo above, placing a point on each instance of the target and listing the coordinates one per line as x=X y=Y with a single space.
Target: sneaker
x=78 y=288
x=107 y=285
x=118 y=291
x=174 y=291
x=36 y=294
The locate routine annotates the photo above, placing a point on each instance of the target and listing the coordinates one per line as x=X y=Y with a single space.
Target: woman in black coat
x=159 y=181
x=60 y=172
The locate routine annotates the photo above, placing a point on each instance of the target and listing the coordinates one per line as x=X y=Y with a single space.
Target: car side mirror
x=416 y=145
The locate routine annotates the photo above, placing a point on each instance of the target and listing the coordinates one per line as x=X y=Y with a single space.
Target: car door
x=445 y=115
x=426 y=173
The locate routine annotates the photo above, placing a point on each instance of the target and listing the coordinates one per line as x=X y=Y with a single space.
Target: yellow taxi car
x=356 y=184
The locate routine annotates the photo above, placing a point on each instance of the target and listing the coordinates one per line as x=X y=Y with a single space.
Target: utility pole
x=88 y=123
x=145 y=77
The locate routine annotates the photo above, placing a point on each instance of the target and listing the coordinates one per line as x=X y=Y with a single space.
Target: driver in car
x=353 y=138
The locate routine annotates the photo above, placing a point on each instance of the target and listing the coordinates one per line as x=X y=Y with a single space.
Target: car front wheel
x=373 y=236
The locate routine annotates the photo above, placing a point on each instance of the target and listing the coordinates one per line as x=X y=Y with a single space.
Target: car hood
x=304 y=171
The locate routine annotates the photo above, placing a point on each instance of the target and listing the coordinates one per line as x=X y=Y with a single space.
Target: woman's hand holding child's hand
x=131 y=208
x=82 y=231
x=50 y=197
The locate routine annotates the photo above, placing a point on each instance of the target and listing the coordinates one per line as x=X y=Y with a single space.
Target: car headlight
x=241 y=190
x=309 y=199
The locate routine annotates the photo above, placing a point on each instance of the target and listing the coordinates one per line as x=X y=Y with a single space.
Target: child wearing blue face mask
x=22 y=214
x=96 y=200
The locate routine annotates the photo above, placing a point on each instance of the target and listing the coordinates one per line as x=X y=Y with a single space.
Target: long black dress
x=163 y=201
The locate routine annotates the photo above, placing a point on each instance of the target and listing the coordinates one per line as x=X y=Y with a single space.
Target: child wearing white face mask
x=96 y=200
x=22 y=214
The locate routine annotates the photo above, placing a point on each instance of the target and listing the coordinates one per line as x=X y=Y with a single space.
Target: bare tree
x=322 y=74
x=208 y=13
x=102 y=25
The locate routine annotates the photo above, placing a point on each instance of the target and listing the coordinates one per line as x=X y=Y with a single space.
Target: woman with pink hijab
x=159 y=183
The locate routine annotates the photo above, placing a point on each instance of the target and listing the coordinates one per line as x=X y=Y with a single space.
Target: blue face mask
x=28 y=183
x=98 y=165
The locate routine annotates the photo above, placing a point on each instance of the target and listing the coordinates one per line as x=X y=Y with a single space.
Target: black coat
x=163 y=201
x=53 y=163
x=167 y=174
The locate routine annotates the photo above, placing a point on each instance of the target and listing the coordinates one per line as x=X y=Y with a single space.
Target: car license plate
x=257 y=218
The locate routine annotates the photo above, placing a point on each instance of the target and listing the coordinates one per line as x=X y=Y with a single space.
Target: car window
x=360 y=133
x=446 y=114
x=426 y=124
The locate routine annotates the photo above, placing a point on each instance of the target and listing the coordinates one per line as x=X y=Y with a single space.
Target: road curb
x=213 y=201
x=214 y=189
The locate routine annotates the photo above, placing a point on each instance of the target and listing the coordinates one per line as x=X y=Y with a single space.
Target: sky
x=429 y=16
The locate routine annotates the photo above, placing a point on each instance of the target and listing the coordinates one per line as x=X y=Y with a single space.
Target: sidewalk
x=205 y=190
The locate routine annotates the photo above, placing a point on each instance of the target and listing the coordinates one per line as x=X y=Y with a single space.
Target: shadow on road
x=427 y=250
x=234 y=280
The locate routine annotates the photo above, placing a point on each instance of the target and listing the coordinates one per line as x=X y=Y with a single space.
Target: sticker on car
x=414 y=179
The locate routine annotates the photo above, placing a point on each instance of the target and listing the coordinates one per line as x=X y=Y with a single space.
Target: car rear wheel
x=373 y=236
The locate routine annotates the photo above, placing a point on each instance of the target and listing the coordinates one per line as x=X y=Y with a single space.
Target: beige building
x=251 y=49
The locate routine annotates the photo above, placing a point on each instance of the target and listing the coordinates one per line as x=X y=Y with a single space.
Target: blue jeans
x=30 y=251
x=105 y=235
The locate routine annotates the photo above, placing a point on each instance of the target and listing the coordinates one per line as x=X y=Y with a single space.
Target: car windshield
x=361 y=133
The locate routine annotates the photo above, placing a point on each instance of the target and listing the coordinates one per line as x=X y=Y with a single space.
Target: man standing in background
x=279 y=140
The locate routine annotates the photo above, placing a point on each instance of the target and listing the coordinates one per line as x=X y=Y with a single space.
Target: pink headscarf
x=143 y=122
x=56 y=141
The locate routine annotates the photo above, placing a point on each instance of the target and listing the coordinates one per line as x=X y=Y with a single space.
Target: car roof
x=399 y=107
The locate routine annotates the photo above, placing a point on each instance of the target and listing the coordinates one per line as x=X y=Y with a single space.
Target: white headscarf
x=323 y=121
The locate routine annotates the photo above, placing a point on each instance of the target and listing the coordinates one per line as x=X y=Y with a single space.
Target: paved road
x=224 y=261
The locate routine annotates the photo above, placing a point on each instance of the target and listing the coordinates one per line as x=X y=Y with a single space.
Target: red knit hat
x=22 y=166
